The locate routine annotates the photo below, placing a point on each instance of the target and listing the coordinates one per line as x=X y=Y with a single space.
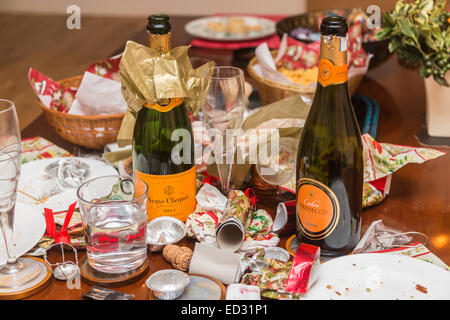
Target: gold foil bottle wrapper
x=148 y=77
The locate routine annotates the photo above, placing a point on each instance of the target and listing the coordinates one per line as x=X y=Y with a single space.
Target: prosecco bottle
x=329 y=159
x=168 y=170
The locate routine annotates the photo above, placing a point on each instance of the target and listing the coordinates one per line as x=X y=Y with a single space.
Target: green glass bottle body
x=329 y=160
x=163 y=145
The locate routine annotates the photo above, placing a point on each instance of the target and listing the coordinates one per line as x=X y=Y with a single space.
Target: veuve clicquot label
x=170 y=195
x=318 y=209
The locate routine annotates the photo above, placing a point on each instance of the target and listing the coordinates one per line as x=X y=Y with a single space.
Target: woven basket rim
x=272 y=83
x=80 y=117
x=74 y=116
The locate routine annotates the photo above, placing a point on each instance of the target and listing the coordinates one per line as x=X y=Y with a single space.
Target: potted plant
x=419 y=33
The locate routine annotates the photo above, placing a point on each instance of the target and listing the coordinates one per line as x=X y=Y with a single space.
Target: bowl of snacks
x=230 y=28
x=306 y=28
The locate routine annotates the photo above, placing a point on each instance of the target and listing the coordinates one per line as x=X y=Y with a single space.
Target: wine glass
x=223 y=113
x=18 y=273
x=279 y=169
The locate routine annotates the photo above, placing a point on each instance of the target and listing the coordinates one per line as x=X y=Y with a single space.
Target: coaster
x=292 y=244
x=36 y=285
x=200 y=287
x=95 y=277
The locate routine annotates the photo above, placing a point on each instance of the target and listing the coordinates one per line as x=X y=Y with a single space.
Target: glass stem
x=7 y=223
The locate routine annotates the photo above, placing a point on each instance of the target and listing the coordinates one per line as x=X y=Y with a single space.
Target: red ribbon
x=62 y=236
x=209 y=179
x=252 y=198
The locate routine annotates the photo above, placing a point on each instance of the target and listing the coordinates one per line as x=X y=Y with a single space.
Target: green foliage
x=419 y=32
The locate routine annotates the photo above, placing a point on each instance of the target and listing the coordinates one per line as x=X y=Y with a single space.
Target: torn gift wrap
x=53 y=95
x=230 y=232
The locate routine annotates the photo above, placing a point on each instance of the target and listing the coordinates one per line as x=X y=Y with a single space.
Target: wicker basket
x=271 y=91
x=93 y=131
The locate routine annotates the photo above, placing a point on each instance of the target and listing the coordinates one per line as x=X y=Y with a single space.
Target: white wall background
x=146 y=7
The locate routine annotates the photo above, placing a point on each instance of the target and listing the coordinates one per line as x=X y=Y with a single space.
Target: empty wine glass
x=18 y=273
x=223 y=112
x=279 y=169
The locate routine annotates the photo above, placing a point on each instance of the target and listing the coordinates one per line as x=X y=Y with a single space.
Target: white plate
x=379 y=276
x=199 y=28
x=32 y=174
x=29 y=227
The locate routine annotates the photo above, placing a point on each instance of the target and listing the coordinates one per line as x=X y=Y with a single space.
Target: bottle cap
x=334 y=25
x=158 y=24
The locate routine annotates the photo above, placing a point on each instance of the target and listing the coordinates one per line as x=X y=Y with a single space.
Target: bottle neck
x=333 y=60
x=160 y=42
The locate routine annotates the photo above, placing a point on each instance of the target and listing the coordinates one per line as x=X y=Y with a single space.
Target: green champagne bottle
x=329 y=158
x=171 y=181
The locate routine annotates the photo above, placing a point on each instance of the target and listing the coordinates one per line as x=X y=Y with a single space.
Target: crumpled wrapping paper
x=147 y=76
x=202 y=224
x=271 y=280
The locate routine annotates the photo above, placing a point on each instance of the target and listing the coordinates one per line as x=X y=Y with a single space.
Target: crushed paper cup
x=284 y=222
x=304 y=269
x=242 y=292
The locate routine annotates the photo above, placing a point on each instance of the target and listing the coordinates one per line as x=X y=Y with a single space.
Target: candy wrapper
x=304 y=269
x=272 y=280
x=242 y=292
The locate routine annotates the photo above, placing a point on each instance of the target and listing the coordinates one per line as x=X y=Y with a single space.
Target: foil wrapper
x=164 y=230
x=63 y=174
x=276 y=253
x=147 y=76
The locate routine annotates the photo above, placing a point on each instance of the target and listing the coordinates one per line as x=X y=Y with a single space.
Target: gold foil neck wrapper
x=147 y=77
x=334 y=48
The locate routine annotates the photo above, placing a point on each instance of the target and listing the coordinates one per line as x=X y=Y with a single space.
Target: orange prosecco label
x=165 y=105
x=170 y=195
x=317 y=209
x=331 y=74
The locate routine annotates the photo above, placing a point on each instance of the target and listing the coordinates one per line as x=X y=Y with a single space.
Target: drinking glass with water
x=114 y=215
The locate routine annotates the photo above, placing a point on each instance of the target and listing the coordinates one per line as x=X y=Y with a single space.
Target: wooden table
x=419 y=195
